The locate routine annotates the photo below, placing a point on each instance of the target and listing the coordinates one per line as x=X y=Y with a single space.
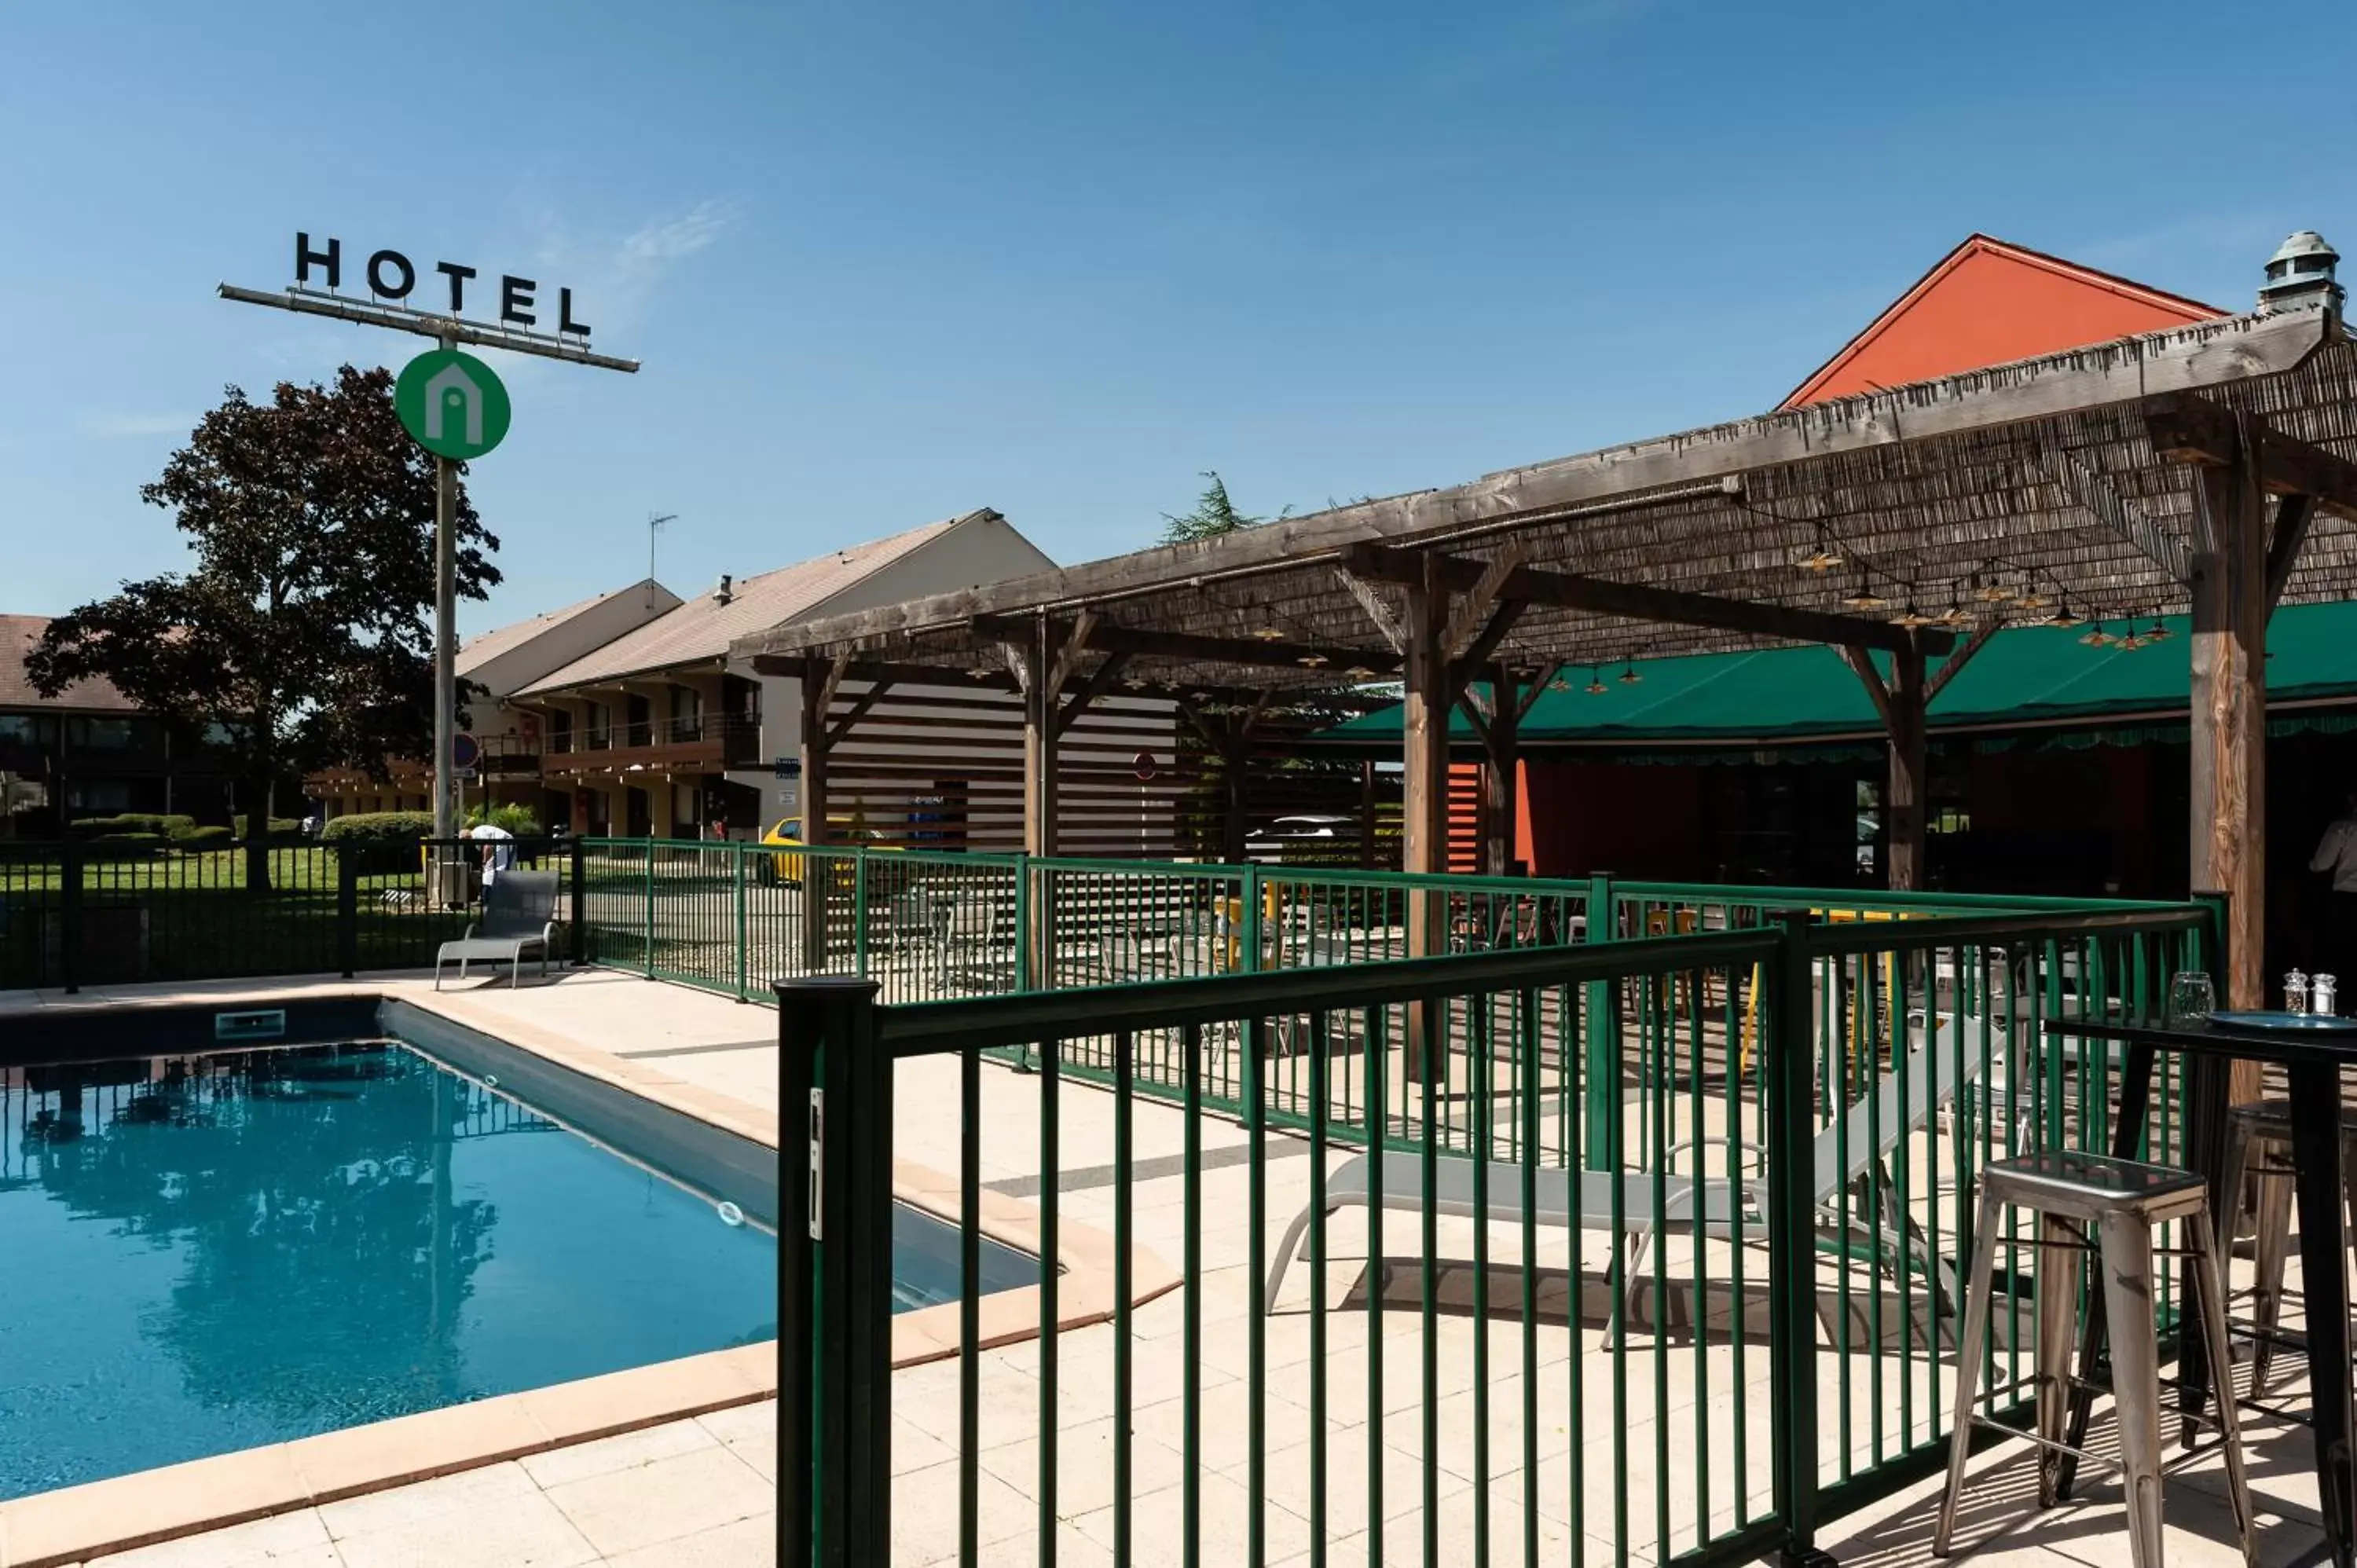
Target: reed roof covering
x=2038 y=476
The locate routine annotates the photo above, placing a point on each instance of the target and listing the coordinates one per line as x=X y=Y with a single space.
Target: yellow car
x=843 y=832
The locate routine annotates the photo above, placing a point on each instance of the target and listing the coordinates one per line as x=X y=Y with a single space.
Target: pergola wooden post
x=2229 y=713
x=1497 y=719
x=819 y=685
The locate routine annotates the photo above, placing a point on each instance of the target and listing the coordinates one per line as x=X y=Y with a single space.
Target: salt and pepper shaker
x=2320 y=999
x=2295 y=991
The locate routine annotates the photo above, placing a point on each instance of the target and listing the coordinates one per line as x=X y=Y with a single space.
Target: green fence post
x=649 y=943
x=69 y=870
x=845 y=1264
x=1789 y=1082
x=348 y=912
x=1602 y=1109
x=1248 y=924
x=859 y=910
x=743 y=961
x=578 y=938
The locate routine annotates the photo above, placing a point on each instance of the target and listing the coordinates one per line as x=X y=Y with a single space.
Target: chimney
x=723 y=592
x=2299 y=276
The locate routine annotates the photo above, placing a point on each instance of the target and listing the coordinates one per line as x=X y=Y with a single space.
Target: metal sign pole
x=445 y=641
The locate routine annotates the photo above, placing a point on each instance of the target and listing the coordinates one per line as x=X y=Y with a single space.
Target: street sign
x=451 y=404
x=465 y=752
x=1143 y=765
x=788 y=767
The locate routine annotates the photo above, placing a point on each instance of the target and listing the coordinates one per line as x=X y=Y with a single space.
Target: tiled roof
x=702 y=628
x=17 y=636
x=484 y=646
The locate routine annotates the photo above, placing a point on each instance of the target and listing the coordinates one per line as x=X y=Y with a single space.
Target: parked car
x=841 y=831
x=1297 y=838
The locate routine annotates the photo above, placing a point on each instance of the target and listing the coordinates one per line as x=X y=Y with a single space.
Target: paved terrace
x=699 y=1492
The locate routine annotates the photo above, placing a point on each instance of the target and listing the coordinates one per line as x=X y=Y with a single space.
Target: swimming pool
x=216 y=1251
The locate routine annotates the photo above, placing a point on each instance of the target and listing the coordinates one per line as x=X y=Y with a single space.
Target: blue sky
x=892 y=262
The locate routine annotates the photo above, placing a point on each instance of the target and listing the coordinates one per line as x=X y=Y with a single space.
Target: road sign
x=465 y=752
x=451 y=404
x=1143 y=765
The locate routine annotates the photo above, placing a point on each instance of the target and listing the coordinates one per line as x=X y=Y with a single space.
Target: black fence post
x=348 y=910
x=835 y=1276
x=1791 y=1083
x=69 y=872
x=578 y=936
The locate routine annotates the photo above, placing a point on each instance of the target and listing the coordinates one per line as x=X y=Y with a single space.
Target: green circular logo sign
x=451 y=404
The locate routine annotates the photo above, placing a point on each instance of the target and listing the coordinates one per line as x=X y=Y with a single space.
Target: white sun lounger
x=1732 y=1209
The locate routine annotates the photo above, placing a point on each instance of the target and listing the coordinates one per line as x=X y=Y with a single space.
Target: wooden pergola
x=2206 y=469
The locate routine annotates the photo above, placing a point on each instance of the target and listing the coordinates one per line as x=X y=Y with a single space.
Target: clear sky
x=888 y=263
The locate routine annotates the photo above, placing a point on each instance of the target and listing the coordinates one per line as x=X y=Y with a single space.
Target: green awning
x=1797 y=696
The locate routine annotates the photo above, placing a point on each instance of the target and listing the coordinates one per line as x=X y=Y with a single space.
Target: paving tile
x=1084 y=1468
x=526 y=1531
x=1158 y=1522
x=579 y=1461
x=746 y=1543
x=665 y=1500
x=486 y=1490
x=296 y=1539
x=925 y=1514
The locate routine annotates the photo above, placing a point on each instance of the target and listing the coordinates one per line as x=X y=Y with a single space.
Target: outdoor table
x=2312 y=1062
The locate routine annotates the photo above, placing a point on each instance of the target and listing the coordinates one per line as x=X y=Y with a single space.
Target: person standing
x=2336 y=855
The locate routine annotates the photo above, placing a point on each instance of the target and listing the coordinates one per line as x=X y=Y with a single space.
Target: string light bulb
x=1596 y=686
x=1993 y=591
x=1823 y=557
x=2064 y=619
x=2158 y=631
x=1865 y=597
x=1911 y=617
x=1628 y=676
x=2096 y=637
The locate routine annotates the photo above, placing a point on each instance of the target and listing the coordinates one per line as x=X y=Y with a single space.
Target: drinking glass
x=2191 y=997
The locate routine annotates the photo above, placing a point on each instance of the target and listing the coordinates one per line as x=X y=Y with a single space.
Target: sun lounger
x=1725 y=1208
x=519 y=913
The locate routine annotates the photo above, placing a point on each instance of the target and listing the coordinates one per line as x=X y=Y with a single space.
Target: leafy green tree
x=303 y=633
x=1215 y=514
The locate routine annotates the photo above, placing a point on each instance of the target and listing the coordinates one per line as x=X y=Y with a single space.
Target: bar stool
x=2260 y=1131
x=2121 y=1201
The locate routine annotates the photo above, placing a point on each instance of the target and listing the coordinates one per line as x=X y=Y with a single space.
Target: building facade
x=507 y=736
x=91 y=752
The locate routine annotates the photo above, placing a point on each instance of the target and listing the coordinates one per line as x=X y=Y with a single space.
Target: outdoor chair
x=1728 y=1207
x=519 y=912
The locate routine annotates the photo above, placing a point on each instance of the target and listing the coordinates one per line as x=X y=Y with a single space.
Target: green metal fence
x=1692 y=1310
x=90 y=913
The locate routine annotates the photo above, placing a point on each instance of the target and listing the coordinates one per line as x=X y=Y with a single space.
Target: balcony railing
x=709 y=738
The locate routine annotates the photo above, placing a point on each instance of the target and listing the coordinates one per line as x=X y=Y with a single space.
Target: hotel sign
x=391 y=276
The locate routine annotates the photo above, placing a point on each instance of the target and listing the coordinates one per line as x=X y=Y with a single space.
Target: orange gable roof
x=1990 y=303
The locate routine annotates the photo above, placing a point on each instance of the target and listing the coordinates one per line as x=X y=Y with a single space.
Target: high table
x=2312 y=1062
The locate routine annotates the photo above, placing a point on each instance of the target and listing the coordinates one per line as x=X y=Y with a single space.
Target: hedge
x=380 y=827
x=203 y=838
x=155 y=823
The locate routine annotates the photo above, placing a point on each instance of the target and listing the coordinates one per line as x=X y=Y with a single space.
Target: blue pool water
x=205 y=1253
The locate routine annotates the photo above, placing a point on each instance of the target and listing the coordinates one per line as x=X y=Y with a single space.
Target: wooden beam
x=1485 y=641
x=1954 y=665
x=830 y=681
x=2227 y=802
x=1903 y=801
x=1042 y=767
x=1019 y=663
x=1096 y=686
x=2293 y=516
x=1500 y=775
x=859 y=710
x=1877 y=690
x=1529 y=699
x=1481 y=599
x=1634 y=602
x=2106 y=375
x=1072 y=645
x=2120 y=515
x=1371 y=601
x=2188 y=429
x=1468 y=702
x=1424 y=788
x=1195 y=647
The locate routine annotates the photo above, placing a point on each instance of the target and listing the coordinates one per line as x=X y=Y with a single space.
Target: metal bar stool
x=2260 y=1131
x=2121 y=1201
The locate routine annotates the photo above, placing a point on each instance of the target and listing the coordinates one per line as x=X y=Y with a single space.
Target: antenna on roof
x=655 y=526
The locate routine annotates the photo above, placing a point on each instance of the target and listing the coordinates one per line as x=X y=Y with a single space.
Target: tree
x=303 y=633
x=1215 y=514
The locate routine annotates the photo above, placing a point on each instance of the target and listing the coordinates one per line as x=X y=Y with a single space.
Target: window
x=26 y=729
x=105 y=734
